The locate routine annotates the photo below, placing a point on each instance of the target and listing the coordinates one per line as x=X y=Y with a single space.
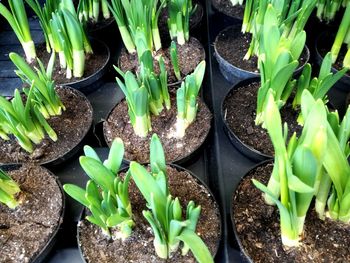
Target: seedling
x=8 y=190
x=106 y=194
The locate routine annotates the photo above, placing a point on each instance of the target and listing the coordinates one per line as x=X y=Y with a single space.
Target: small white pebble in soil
x=335 y=245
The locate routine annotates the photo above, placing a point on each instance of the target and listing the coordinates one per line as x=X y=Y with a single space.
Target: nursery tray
x=220 y=165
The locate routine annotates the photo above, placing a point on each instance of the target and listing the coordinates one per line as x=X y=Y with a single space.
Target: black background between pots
x=219 y=164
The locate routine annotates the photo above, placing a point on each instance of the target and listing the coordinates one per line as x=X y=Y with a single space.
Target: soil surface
x=240 y=111
x=258 y=228
x=195 y=20
x=226 y=7
x=70 y=127
x=233 y=45
x=189 y=55
x=93 y=63
x=139 y=246
x=25 y=230
x=137 y=148
x=324 y=45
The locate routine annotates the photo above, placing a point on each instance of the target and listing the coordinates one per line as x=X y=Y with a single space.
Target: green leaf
x=90 y=152
x=197 y=246
x=115 y=157
x=77 y=193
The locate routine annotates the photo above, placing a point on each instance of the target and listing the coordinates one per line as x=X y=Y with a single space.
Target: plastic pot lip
x=249 y=151
x=100 y=28
x=80 y=84
x=72 y=151
x=319 y=59
x=234 y=18
x=179 y=168
x=241 y=247
x=178 y=82
x=44 y=252
x=178 y=161
x=251 y=74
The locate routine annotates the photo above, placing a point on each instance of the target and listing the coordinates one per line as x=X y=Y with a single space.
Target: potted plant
x=80 y=63
x=340 y=53
x=178 y=229
x=138 y=26
x=31 y=212
x=277 y=74
x=237 y=53
x=48 y=124
x=194 y=9
x=298 y=175
x=182 y=119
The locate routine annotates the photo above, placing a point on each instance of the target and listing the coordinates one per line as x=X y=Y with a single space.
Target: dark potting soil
x=93 y=63
x=226 y=7
x=25 y=230
x=240 y=112
x=195 y=19
x=139 y=246
x=137 y=148
x=189 y=55
x=233 y=45
x=70 y=128
x=258 y=228
x=324 y=46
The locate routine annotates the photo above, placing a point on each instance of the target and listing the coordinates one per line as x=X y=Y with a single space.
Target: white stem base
x=29 y=50
x=78 y=63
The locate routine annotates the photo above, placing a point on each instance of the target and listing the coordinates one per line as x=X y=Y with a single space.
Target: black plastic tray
x=219 y=164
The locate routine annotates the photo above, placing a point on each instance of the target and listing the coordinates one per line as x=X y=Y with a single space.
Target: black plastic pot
x=340 y=90
x=45 y=251
x=91 y=83
x=245 y=256
x=70 y=153
x=233 y=73
x=83 y=212
x=245 y=149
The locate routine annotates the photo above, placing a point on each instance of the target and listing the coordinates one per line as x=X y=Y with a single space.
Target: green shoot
x=45 y=95
x=297 y=165
x=165 y=213
x=186 y=97
x=24 y=121
x=17 y=18
x=89 y=10
x=343 y=36
x=137 y=98
x=8 y=190
x=106 y=194
x=180 y=12
x=175 y=60
x=44 y=14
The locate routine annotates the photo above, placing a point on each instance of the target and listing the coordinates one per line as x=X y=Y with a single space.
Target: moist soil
x=239 y=110
x=71 y=127
x=324 y=46
x=195 y=20
x=189 y=55
x=25 y=231
x=258 y=228
x=137 y=148
x=139 y=246
x=226 y=7
x=93 y=63
x=233 y=45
